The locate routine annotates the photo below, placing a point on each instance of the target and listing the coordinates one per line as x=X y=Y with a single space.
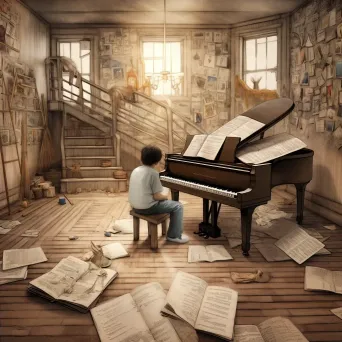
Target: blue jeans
x=175 y=209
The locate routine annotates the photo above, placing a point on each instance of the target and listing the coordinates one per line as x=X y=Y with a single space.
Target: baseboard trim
x=320 y=205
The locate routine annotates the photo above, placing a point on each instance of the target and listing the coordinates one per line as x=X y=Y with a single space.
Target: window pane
x=261 y=40
x=250 y=54
x=75 y=54
x=261 y=55
x=64 y=49
x=158 y=49
x=271 y=54
x=158 y=66
x=256 y=76
x=271 y=80
x=85 y=63
x=148 y=49
x=175 y=54
x=148 y=66
x=272 y=39
x=168 y=57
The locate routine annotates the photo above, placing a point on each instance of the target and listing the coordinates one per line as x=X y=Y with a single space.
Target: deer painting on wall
x=249 y=97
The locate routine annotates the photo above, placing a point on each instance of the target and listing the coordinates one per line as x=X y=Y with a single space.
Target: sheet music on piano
x=241 y=126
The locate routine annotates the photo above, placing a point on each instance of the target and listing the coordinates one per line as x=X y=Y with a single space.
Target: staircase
x=99 y=126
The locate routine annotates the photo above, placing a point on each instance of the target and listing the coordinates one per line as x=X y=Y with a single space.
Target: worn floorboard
x=26 y=318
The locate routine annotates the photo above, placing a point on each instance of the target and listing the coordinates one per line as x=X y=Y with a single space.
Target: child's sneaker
x=182 y=239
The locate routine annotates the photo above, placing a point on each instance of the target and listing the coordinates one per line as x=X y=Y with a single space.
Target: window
x=153 y=53
x=261 y=62
x=79 y=52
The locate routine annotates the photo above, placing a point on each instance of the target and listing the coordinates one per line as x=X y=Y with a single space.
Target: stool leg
x=154 y=235
x=164 y=228
x=148 y=229
x=136 y=227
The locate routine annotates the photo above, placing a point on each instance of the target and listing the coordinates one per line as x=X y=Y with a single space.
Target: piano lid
x=268 y=113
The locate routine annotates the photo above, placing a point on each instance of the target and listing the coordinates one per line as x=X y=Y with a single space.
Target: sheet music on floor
x=299 y=245
x=10 y=276
x=114 y=250
x=13 y=258
x=210 y=309
x=136 y=316
x=205 y=146
x=208 y=253
x=241 y=126
x=337 y=312
x=321 y=279
x=270 y=148
x=272 y=253
x=276 y=329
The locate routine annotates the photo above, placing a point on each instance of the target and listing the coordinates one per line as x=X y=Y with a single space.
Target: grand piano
x=237 y=184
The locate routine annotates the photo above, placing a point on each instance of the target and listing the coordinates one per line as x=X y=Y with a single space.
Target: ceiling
x=179 y=12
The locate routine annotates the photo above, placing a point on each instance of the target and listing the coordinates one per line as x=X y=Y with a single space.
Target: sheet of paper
x=4 y=231
x=337 y=312
x=241 y=126
x=211 y=147
x=14 y=274
x=278 y=229
x=317 y=278
x=13 y=258
x=197 y=253
x=217 y=312
x=299 y=245
x=195 y=145
x=218 y=252
x=150 y=299
x=185 y=296
x=247 y=333
x=280 y=329
x=8 y=224
x=30 y=233
x=119 y=320
x=269 y=148
x=114 y=251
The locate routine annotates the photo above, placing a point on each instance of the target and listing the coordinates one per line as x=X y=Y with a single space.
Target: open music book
x=205 y=146
x=208 y=253
x=276 y=329
x=73 y=282
x=136 y=317
x=321 y=279
x=210 y=309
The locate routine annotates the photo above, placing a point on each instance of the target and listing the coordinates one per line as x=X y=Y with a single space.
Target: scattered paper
x=330 y=227
x=14 y=258
x=126 y=225
x=337 y=312
x=10 y=276
x=208 y=253
x=4 y=231
x=266 y=213
x=321 y=279
x=30 y=233
x=8 y=224
x=299 y=245
x=114 y=251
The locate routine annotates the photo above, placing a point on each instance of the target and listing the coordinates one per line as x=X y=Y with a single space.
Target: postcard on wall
x=217 y=37
x=208 y=36
x=330 y=125
x=338 y=69
x=338 y=47
x=332 y=17
x=223 y=73
x=305 y=79
x=211 y=83
x=222 y=61
x=209 y=61
x=211 y=47
x=311 y=54
x=221 y=97
x=325 y=21
x=313 y=82
x=320 y=126
x=197 y=44
x=320 y=36
x=330 y=34
x=221 y=86
x=331 y=113
x=218 y=49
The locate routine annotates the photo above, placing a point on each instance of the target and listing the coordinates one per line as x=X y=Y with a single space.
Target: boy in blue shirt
x=146 y=194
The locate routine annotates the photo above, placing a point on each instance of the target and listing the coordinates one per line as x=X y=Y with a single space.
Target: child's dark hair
x=151 y=155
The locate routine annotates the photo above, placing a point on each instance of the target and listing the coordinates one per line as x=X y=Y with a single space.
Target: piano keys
x=236 y=184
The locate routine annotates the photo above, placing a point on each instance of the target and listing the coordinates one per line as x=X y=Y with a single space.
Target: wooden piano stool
x=153 y=221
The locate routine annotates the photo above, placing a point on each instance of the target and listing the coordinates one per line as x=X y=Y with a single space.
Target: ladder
x=6 y=108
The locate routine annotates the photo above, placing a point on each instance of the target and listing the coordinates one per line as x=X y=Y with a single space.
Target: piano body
x=236 y=184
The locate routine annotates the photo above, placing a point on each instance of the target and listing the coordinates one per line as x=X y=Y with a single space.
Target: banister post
x=114 y=126
x=170 y=128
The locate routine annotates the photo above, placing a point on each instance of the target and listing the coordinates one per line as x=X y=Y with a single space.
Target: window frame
x=244 y=58
x=183 y=43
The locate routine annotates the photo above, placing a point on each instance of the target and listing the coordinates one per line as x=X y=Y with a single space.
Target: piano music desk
x=153 y=221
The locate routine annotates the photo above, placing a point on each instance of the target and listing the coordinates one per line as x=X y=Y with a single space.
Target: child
x=146 y=194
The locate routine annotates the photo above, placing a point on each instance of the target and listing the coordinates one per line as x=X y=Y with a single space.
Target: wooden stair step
x=93 y=157
x=87 y=146
x=100 y=168
x=90 y=137
x=69 y=180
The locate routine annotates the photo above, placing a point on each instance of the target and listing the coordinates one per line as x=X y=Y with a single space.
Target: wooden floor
x=27 y=318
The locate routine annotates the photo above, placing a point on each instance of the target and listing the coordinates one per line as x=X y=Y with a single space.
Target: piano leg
x=215 y=230
x=175 y=195
x=300 y=201
x=246 y=225
x=207 y=229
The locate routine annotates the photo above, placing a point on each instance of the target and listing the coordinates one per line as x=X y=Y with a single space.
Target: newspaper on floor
x=10 y=276
x=14 y=258
x=299 y=245
x=208 y=253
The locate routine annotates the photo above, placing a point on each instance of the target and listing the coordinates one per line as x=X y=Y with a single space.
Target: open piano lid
x=268 y=113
